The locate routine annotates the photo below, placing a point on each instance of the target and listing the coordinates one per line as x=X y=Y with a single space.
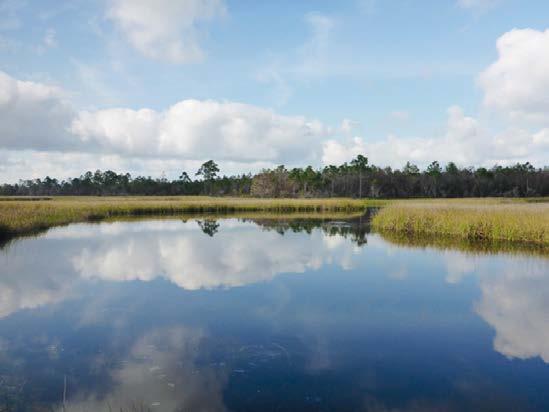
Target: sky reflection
x=231 y=314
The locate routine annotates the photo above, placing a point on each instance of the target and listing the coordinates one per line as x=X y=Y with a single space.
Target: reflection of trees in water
x=354 y=229
x=208 y=226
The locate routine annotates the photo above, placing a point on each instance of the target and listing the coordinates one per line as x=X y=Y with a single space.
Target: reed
x=496 y=219
x=23 y=217
x=472 y=219
x=468 y=246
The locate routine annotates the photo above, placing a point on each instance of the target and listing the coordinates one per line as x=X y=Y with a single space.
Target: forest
x=356 y=179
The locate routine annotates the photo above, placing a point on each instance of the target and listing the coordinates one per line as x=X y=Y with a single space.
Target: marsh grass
x=471 y=219
x=468 y=246
x=487 y=219
x=19 y=217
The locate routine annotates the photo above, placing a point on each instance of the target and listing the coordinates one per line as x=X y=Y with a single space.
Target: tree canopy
x=355 y=179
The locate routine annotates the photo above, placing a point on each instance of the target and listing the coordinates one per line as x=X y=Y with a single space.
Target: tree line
x=357 y=178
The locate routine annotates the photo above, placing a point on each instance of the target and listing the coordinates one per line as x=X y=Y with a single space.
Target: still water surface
x=208 y=315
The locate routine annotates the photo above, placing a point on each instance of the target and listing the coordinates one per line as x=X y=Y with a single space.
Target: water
x=227 y=314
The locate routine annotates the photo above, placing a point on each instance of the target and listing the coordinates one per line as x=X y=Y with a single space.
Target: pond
x=206 y=314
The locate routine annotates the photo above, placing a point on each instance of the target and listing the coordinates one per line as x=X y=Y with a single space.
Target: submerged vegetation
x=477 y=220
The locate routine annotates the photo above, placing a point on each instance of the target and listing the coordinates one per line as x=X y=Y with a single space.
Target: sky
x=158 y=87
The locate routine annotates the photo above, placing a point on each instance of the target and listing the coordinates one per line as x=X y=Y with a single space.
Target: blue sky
x=161 y=86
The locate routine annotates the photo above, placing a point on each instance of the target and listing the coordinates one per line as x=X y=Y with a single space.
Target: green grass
x=19 y=217
x=472 y=219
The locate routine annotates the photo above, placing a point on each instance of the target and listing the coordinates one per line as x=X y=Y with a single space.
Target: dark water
x=207 y=315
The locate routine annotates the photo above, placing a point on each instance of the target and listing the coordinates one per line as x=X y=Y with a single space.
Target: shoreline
x=478 y=219
x=20 y=217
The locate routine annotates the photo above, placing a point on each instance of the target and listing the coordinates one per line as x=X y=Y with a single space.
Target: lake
x=206 y=314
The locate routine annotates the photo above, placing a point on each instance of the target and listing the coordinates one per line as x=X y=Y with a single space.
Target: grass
x=492 y=219
x=469 y=246
x=472 y=219
x=18 y=217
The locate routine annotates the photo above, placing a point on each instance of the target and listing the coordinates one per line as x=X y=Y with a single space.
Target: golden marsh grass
x=472 y=219
x=491 y=219
x=23 y=216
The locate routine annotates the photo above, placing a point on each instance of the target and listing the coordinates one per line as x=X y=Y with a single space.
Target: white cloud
x=193 y=129
x=465 y=142
x=37 y=118
x=164 y=29
x=458 y=144
x=348 y=125
x=541 y=138
x=31 y=164
x=517 y=83
x=33 y=115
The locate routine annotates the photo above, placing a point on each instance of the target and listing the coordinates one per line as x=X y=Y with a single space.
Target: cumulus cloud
x=38 y=124
x=33 y=115
x=517 y=83
x=165 y=29
x=348 y=125
x=465 y=141
x=541 y=138
x=460 y=142
x=39 y=118
x=194 y=129
x=31 y=164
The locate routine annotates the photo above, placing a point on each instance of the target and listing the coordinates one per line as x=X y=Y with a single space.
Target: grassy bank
x=469 y=246
x=23 y=216
x=516 y=220
x=472 y=219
